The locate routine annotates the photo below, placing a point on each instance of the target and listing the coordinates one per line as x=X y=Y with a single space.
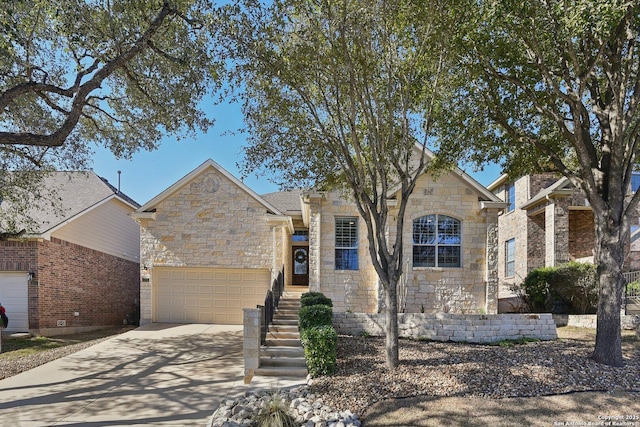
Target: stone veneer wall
x=348 y=289
x=209 y=222
x=590 y=321
x=456 y=290
x=452 y=327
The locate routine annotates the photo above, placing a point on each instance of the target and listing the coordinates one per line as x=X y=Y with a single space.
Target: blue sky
x=149 y=173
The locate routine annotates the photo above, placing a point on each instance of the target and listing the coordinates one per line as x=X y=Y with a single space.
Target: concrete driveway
x=159 y=374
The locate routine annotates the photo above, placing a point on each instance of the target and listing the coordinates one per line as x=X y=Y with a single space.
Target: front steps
x=283 y=355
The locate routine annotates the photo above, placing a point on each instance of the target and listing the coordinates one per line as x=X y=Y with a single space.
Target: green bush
x=534 y=291
x=320 y=344
x=633 y=288
x=569 y=288
x=315 y=315
x=315 y=298
x=575 y=286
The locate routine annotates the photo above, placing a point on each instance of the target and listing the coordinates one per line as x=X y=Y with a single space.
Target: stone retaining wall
x=476 y=328
x=590 y=321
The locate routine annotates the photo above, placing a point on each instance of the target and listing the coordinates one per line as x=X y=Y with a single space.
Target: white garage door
x=14 y=298
x=206 y=295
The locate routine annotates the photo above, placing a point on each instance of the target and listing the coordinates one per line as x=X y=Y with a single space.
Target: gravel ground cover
x=13 y=361
x=455 y=369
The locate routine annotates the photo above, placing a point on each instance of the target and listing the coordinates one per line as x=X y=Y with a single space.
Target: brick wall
x=18 y=255
x=581 y=233
x=513 y=225
x=70 y=278
x=22 y=256
x=536 y=238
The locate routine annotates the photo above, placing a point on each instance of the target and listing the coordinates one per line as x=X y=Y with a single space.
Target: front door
x=300 y=266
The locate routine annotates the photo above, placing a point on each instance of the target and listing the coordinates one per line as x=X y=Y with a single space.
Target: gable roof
x=286 y=201
x=151 y=204
x=78 y=192
x=560 y=188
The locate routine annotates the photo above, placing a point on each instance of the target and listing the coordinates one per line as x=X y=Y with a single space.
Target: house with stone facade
x=79 y=268
x=547 y=222
x=211 y=246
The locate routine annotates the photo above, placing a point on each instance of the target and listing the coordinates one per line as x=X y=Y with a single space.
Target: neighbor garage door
x=204 y=295
x=14 y=298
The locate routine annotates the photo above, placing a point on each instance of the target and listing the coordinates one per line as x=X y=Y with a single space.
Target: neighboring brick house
x=79 y=270
x=211 y=246
x=547 y=222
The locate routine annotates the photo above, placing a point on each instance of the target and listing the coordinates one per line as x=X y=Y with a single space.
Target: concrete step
x=283 y=335
x=284 y=328
x=288 y=342
x=285 y=322
x=282 y=351
x=280 y=312
x=285 y=317
x=273 y=371
x=293 y=362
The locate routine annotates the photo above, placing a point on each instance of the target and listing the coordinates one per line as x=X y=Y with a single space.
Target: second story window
x=346 y=243
x=510 y=258
x=511 y=196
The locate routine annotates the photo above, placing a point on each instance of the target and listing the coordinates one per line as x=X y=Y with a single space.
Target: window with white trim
x=511 y=196
x=437 y=241
x=346 y=243
x=510 y=258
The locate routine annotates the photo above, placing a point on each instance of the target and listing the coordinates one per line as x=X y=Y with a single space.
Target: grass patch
x=19 y=347
x=27 y=346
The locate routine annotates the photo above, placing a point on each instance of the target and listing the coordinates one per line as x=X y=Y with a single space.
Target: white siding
x=107 y=228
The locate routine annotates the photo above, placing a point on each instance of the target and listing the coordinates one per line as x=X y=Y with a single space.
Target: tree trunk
x=391 y=299
x=609 y=257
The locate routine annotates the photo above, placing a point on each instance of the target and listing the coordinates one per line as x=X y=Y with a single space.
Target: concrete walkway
x=159 y=374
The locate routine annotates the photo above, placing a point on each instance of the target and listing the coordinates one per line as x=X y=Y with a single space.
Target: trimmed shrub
x=315 y=298
x=320 y=344
x=315 y=315
x=534 y=291
x=570 y=288
x=575 y=286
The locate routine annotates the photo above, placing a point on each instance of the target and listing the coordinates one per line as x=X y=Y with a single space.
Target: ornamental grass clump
x=274 y=413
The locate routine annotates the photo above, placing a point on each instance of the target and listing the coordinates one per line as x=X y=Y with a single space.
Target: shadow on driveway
x=155 y=375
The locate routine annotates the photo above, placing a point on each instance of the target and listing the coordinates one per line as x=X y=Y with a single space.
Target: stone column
x=251 y=344
x=315 y=263
x=491 y=268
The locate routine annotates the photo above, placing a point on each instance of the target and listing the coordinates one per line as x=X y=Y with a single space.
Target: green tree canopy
x=119 y=73
x=555 y=86
x=343 y=94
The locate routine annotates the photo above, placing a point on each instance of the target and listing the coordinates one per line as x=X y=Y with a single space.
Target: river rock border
x=308 y=409
x=473 y=328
